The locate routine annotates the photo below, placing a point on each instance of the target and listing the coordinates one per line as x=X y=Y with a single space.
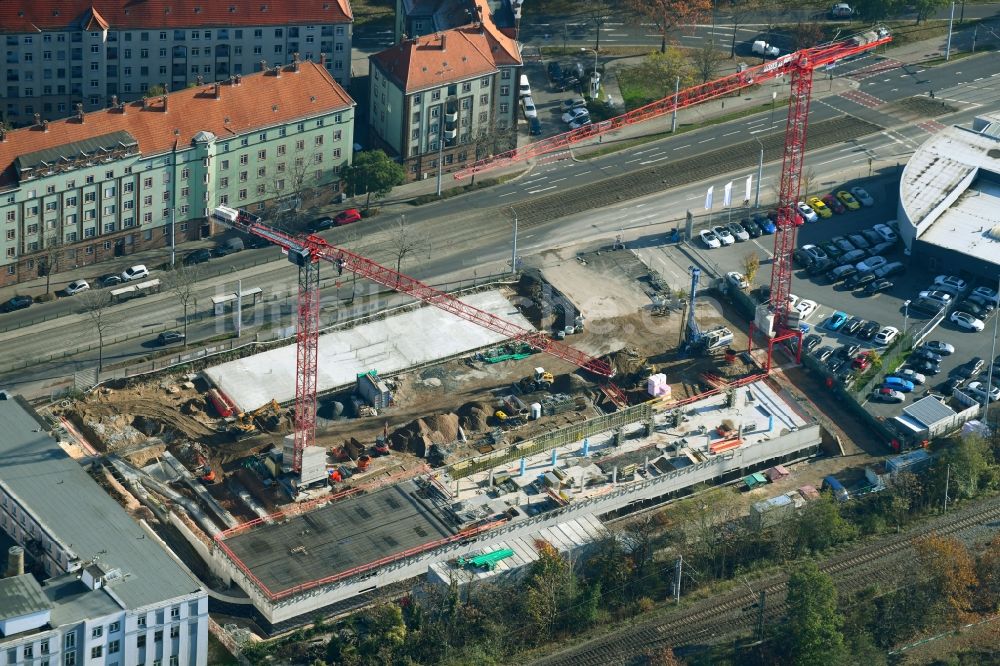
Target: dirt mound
x=193 y=406
x=417 y=436
x=570 y=383
x=473 y=417
x=626 y=361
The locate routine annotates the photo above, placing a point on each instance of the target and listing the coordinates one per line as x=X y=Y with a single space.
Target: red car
x=861 y=362
x=834 y=204
x=346 y=217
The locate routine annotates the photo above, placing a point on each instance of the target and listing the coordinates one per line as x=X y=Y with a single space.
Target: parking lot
x=886 y=308
x=548 y=98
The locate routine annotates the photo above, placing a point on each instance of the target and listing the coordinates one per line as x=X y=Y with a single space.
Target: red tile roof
x=452 y=55
x=259 y=100
x=24 y=16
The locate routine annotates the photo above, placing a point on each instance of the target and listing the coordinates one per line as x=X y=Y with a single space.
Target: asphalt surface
x=449 y=247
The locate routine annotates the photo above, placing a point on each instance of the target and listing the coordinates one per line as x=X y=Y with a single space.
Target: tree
x=670 y=14
x=808 y=181
x=597 y=12
x=405 y=241
x=811 y=632
x=705 y=62
x=155 y=91
x=660 y=70
x=492 y=139
x=988 y=573
x=50 y=259
x=751 y=264
x=874 y=11
x=927 y=8
x=96 y=304
x=807 y=34
x=820 y=525
x=550 y=587
x=875 y=358
x=950 y=572
x=739 y=12
x=293 y=196
x=969 y=458
x=372 y=173
x=182 y=282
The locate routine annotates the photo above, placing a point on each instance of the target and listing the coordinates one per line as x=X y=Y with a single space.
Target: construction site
x=449 y=439
x=431 y=451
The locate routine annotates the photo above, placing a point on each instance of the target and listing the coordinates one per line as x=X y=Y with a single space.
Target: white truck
x=762 y=48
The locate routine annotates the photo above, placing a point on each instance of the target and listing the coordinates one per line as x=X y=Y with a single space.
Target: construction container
x=770 y=512
x=536 y=411
x=373 y=390
x=222 y=405
x=313 y=465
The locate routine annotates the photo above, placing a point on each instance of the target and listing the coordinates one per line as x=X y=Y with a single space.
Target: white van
x=524 y=88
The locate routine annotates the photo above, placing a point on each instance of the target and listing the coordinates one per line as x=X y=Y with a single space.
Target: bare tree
x=405 y=241
x=808 y=181
x=597 y=12
x=183 y=282
x=670 y=14
x=751 y=264
x=293 y=195
x=492 y=139
x=705 y=62
x=739 y=14
x=50 y=259
x=96 y=305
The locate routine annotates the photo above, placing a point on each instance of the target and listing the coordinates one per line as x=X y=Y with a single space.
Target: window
x=70 y=641
x=110 y=210
x=260 y=189
x=184 y=211
x=147 y=182
x=12 y=655
x=32 y=228
x=90 y=232
x=43 y=648
x=128 y=205
x=128 y=187
x=504 y=90
x=318 y=140
x=11 y=234
x=109 y=227
x=140 y=621
x=140 y=641
x=175 y=631
x=262 y=154
x=96 y=652
x=244 y=159
x=336 y=153
x=147 y=200
x=185 y=191
x=185 y=174
x=281 y=149
x=224 y=182
x=318 y=158
x=50 y=205
x=300 y=145
x=224 y=199
x=261 y=172
x=69 y=659
x=225 y=164
x=10 y=254
x=243 y=195
x=29 y=652
x=243 y=176
x=147 y=217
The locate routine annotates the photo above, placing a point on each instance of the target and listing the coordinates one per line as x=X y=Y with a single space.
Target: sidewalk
x=401 y=196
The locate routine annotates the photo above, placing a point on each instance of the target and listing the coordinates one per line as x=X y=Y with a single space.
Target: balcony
x=451 y=116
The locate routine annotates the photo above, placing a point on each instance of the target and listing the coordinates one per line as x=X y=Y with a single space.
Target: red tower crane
x=800 y=67
x=307 y=251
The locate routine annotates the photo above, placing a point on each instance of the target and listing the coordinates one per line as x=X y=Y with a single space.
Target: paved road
x=451 y=249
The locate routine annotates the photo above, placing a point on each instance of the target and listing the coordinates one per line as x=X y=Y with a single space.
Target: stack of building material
x=656 y=385
x=777 y=472
x=373 y=390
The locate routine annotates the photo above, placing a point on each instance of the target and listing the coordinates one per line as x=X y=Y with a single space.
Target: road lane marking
x=707 y=140
x=682 y=147
x=544 y=189
x=557 y=180
x=658 y=159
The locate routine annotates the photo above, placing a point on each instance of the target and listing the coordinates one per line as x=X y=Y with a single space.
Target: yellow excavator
x=540 y=381
x=246 y=423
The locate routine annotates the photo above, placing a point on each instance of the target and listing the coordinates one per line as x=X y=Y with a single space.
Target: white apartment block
x=60 y=53
x=434 y=97
x=111 y=593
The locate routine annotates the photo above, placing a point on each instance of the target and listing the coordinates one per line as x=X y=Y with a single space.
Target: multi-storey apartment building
x=60 y=53
x=143 y=174
x=415 y=18
x=111 y=594
x=441 y=96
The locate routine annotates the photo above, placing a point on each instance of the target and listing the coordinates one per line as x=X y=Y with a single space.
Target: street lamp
x=513 y=253
x=774 y=96
x=445 y=135
x=760 y=172
x=906 y=316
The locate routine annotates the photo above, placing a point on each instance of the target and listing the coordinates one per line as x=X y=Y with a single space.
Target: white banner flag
x=708 y=198
x=727 y=196
x=749 y=180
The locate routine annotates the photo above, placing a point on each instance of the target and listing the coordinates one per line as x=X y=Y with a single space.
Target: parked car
x=966 y=321
x=841 y=273
x=555 y=71
x=832 y=249
x=849 y=350
x=811 y=341
x=836 y=321
x=723 y=235
x=534 y=126
x=806 y=211
x=709 y=238
x=938 y=347
x=819 y=267
x=987 y=294
x=573 y=103
x=911 y=376
x=196 y=257
x=971 y=367
x=136 y=272
x=230 y=246
x=349 y=216
x=814 y=251
x=935 y=296
x=851 y=257
x=886 y=232
x=848 y=200
x=76 y=286
x=859 y=241
x=737 y=280
x=926 y=354
x=974 y=309
x=878 y=285
x=16 y=303
x=841 y=10
x=823 y=353
x=925 y=367
x=169 y=337
x=898 y=384
x=802 y=258
x=859 y=280
x=843 y=243
x=862 y=195
x=872 y=236
x=805 y=308
x=852 y=325
x=529 y=107
x=980 y=390
x=886 y=336
x=764 y=223
x=868 y=331
x=987 y=304
x=861 y=362
x=881 y=248
x=109 y=280
x=890 y=269
x=952 y=383
x=872 y=263
x=819 y=207
x=951 y=281
x=834 y=204
x=886 y=395
x=575 y=114
x=738 y=232
x=751 y=228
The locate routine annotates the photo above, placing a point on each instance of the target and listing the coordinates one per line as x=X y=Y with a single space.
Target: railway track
x=735 y=611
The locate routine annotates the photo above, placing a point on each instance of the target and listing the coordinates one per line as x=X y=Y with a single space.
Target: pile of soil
x=417 y=436
x=473 y=417
x=627 y=361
